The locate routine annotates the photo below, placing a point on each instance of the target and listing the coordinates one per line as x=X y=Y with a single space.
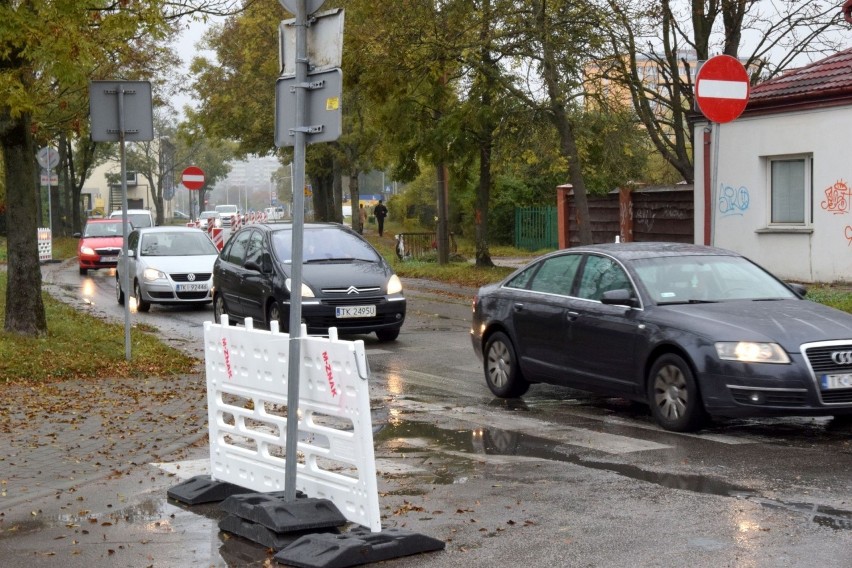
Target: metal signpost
x=121 y=111
x=192 y=179
x=292 y=128
x=721 y=94
x=48 y=158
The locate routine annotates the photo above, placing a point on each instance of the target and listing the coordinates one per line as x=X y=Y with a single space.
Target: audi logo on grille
x=842 y=357
x=352 y=290
x=190 y=277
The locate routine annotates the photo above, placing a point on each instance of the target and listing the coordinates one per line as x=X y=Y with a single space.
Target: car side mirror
x=798 y=289
x=619 y=297
x=252 y=265
x=130 y=253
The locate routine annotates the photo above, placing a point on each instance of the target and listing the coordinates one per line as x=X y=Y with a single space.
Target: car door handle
x=518 y=307
x=573 y=316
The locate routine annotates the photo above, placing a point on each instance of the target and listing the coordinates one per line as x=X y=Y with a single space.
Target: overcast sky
x=187 y=50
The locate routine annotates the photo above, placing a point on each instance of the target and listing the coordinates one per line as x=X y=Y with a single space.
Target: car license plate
x=192 y=287
x=356 y=311
x=842 y=381
x=109 y=259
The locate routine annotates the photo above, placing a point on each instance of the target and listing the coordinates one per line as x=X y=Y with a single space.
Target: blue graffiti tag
x=733 y=201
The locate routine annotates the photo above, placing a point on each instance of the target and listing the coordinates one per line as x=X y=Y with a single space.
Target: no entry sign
x=721 y=88
x=192 y=178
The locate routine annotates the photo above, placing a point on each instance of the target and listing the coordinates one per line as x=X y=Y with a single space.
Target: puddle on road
x=398 y=436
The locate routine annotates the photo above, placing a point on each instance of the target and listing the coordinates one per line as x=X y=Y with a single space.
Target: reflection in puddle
x=435 y=444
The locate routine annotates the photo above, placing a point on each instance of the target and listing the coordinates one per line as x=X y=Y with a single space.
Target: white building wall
x=96 y=184
x=821 y=251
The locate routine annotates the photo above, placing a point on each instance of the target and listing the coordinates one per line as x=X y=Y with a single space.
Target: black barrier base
x=358 y=546
x=262 y=535
x=203 y=489
x=272 y=511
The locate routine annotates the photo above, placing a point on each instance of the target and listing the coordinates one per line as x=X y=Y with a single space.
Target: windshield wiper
x=335 y=259
x=690 y=301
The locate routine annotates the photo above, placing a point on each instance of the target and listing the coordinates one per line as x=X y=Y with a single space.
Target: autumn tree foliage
x=49 y=51
x=768 y=37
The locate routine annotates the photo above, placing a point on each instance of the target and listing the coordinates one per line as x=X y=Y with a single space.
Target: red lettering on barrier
x=227 y=359
x=329 y=374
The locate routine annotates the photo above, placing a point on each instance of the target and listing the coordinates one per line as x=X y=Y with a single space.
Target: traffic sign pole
x=295 y=327
x=721 y=93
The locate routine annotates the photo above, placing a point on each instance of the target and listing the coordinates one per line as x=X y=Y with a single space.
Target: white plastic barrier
x=45 y=244
x=247 y=409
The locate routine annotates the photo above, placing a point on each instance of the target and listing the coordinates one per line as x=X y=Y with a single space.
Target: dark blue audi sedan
x=693 y=331
x=346 y=283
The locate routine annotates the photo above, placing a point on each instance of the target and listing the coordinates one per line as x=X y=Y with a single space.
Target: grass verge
x=80 y=346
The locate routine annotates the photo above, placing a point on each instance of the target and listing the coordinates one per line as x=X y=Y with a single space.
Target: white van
x=138 y=217
x=274 y=213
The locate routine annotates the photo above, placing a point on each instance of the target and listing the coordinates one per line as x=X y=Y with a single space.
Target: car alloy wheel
x=219 y=308
x=502 y=373
x=274 y=313
x=141 y=304
x=119 y=293
x=673 y=395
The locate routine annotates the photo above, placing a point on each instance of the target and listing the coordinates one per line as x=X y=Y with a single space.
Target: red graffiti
x=848 y=232
x=837 y=198
x=329 y=374
x=228 y=368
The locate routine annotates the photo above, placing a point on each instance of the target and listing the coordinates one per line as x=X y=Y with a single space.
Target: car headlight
x=87 y=250
x=394 y=285
x=151 y=274
x=306 y=292
x=751 y=352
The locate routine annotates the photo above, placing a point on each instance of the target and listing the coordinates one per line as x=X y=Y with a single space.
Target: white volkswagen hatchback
x=167 y=265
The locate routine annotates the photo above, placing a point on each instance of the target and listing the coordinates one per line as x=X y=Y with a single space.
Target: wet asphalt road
x=556 y=479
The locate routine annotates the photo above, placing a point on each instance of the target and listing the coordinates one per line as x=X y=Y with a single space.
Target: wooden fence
x=660 y=213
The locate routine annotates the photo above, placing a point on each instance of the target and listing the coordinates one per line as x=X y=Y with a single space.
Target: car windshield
x=208 y=214
x=103 y=230
x=705 y=278
x=226 y=208
x=324 y=244
x=186 y=243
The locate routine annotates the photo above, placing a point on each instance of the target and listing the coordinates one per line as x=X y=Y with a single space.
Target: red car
x=100 y=244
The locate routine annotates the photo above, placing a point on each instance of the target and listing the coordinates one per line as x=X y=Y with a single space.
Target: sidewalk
x=51 y=447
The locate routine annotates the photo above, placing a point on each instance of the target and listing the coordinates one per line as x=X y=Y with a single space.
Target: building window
x=790 y=186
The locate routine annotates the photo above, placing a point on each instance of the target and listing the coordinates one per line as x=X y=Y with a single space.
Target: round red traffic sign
x=192 y=178
x=722 y=88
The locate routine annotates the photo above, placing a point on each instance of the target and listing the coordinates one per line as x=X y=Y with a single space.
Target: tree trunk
x=443 y=214
x=355 y=200
x=483 y=195
x=486 y=145
x=24 y=306
x=337 y=192
x=76 y=213
x=567 y=139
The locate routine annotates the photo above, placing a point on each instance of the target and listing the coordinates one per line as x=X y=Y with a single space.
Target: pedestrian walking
x=380 y=212
x=362 y=218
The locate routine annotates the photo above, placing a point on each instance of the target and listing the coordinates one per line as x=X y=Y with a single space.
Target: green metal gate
x=536 y=228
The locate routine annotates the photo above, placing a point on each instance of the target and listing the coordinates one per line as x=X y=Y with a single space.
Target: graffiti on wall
x=837 y=198
x=733 y=201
